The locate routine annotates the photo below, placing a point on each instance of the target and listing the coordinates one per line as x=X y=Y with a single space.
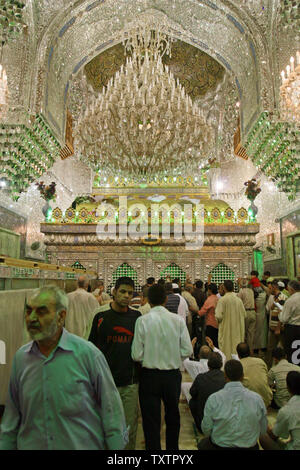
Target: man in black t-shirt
x=112 y=332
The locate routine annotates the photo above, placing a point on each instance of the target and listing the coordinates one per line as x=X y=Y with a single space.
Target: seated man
x=195 y=367
x=234 y=417
x=198 y=366
x=288 y=420
x=204 y=385
x=277 y=377
x=255 y=373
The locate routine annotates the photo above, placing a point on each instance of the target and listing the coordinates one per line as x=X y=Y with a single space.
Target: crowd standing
x=98 y=360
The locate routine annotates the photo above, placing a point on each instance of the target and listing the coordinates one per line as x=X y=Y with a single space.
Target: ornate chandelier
x=143 y=122
x=290 y=91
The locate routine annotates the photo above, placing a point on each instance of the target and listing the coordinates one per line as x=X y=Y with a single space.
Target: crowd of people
x=98 y=360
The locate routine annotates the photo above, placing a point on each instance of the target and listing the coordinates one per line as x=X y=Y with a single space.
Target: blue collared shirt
x=67 y=401
x=234 y=416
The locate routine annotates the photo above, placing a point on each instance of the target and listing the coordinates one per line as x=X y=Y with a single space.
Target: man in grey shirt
x=234 y=417
x=61 y=394
x=277 y=378
x=290 y=317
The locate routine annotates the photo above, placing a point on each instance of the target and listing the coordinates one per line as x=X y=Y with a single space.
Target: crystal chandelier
x=143 y=122
x=290 y=91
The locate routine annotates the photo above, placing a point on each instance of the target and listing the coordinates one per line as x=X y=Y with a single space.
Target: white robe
x=80 y=313
x=230 y=314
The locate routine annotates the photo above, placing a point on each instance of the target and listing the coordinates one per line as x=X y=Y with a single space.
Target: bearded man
x=61 y=394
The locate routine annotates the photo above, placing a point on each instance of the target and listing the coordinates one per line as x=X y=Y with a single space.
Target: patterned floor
x=188 y=434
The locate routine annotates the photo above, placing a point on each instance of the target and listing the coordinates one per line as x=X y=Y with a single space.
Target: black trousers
x=197 y=418
x=212 y=333
x=291 y=333
x=157 y=385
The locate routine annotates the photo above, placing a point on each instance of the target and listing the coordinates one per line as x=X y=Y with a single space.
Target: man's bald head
x=82 y=282
x=204 y=352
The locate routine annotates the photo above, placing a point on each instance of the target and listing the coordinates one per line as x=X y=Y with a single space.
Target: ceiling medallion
x=143 y=122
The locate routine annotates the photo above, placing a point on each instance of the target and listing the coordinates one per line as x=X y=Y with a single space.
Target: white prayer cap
x=175 y=286
x=281 y=284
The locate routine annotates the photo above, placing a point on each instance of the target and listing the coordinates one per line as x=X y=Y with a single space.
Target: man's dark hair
x=214 y=360
x=156 y=295
x=278 y=353
x=199 y=284
x=161 y=282
x=275 y=284
x=234 y=370
x=294 y=285
x=254 y=273
x=293 y=382
x=168 y=288
x=243 y=350
x=267 y=273
x=151 y=280
x=213 y=288
x=127 y=281
x=228 y=285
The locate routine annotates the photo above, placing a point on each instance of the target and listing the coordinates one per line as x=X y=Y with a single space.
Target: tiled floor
x=188 y=436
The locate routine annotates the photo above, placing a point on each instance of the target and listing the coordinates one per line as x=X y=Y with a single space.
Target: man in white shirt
x=290 y=317
x=194 y=367
x=161 y=341
x=183 y=308
x=82 y=306
x=275 y=334
x=234 y=417
x=145 y=307
x=198 y=367
x=99 y=293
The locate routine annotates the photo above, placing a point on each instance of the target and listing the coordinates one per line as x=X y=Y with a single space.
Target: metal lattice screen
x=173 y=271
x=124 y=270
x=77 y=265
x=221 y=273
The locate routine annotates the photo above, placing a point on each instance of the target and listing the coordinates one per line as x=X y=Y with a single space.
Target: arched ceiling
x=197 y=71
x=80 y=31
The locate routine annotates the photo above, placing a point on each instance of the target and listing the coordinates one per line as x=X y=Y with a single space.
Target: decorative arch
x=124 y=270
x=200 y=24
x=221 y=272
x=173 y=271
